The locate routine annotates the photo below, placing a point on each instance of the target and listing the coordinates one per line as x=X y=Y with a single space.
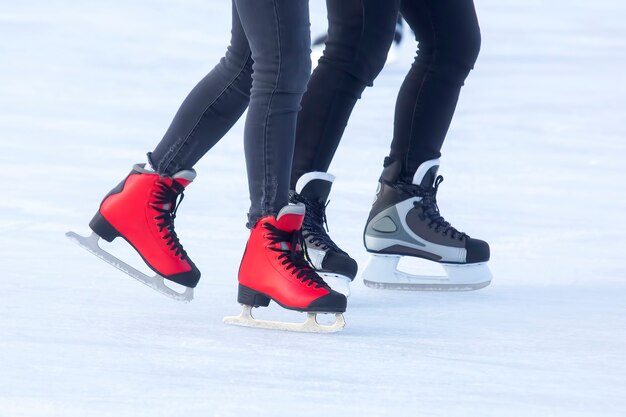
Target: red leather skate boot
x=274 y=267
x=141 y=209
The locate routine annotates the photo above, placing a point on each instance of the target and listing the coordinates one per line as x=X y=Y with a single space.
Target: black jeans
x=265 y=69
x=359 y=35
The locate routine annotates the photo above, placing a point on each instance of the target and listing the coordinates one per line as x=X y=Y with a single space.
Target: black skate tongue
x=315 y=185
x=426 y=173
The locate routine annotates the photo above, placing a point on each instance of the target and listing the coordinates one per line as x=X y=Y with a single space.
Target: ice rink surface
x=534 y=164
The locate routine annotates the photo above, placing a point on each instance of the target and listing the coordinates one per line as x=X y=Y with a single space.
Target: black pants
x=265 y=69
x=359 y=35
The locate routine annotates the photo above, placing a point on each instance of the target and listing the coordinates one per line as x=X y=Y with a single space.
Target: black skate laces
x=315 y=224
x=293 y=258
x=430 y=210
x=167 y=203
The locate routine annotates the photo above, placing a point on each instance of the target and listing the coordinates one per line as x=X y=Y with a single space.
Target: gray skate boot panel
x=384 y=225
x=421 y=228
x=381 y=237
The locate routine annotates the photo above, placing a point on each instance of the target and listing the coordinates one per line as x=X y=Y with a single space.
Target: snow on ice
x=533 y=164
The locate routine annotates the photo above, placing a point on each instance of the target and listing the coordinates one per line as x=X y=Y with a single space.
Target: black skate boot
x=405 y=221
x=334 y=265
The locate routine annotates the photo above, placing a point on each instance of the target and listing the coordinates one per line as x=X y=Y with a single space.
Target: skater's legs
x=274 y=36
x=405 y=219
x=359 y=35
x=273 y=265
x=210 y=109
x=279 y=36
x=449 y=42
x=141 y=209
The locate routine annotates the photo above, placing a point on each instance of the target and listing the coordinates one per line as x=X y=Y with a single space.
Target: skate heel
x=103 y=228
x=251 y=297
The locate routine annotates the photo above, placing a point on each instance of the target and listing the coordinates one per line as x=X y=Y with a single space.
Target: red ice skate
x=274 y=268
x=141 y=209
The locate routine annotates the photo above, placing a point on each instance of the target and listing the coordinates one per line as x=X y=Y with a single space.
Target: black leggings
x=359 y=35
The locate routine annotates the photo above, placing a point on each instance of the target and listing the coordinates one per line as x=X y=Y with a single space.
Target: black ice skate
x=405 y=221
x=334 y=265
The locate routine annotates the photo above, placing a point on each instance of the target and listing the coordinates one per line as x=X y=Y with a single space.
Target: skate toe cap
x=477 y=251
x=188 y=279
x=332 y=302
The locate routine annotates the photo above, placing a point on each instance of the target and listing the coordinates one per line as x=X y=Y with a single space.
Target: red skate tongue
x=184 y=177
x=290 y=217
x=180 y=180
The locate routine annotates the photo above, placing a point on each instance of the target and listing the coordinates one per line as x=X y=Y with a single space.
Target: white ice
x=534 y=164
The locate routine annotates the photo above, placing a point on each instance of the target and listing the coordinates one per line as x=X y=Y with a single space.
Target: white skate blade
x=339 y=283
x=309 y=326
x=382 y=272
x=156 y=282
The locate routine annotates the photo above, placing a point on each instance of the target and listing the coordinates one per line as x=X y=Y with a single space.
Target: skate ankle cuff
x=310 y=176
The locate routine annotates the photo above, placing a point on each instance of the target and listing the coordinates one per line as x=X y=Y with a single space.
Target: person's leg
x=142 y=208
x=449 y=42
x=405 y=219
x=359 y=35
x=273 y=265
x=210 y=109
x=279 y=35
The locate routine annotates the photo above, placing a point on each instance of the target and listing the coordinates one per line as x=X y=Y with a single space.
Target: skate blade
x=337 y=282
x=309 y=326
x=382 y=273
x=155 y=282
